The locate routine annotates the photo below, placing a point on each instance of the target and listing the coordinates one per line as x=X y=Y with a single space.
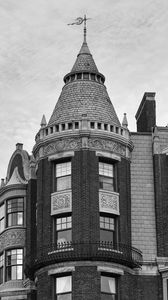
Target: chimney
x=19 y=146
x=146 y=114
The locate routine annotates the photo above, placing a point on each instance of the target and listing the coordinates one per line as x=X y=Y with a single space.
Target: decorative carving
x=61 y=145
x=109 y=202
x=12 y=237
x=107 y=145
x=61 y=202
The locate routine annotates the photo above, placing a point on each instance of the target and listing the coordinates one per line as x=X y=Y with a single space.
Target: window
x=15 y=209
x=99 y=125
x=107 y=229
x=76 y=125
x=14 y=264
x=1 y=267
x=79 y=76
x=106 y=176
x=108 y=288
x=2 y=217
x=63 y=176
x=63 y=288
x=63 y=229
x=92 y=125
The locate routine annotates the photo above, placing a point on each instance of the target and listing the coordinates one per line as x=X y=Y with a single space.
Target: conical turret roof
x=84 y=92
x=84 y=61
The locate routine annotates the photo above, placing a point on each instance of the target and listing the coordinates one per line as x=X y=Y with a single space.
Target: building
x=85 y=217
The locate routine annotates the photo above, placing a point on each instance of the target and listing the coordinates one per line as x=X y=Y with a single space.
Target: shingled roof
x=84 y=95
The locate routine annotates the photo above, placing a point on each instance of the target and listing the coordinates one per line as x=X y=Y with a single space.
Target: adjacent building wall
x=142 y=195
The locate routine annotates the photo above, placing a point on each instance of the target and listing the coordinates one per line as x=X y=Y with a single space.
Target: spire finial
x=84 y=29
x=79 y=21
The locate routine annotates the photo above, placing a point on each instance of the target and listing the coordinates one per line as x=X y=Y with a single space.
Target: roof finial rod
x=84 y=29
x=79 y=21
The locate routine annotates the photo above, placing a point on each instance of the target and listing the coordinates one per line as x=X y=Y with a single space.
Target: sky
x=127 y=38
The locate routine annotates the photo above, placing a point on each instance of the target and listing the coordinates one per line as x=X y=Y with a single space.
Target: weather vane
x=79 y=21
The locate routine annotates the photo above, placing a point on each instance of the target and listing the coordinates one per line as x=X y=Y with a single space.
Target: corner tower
x=83 y=193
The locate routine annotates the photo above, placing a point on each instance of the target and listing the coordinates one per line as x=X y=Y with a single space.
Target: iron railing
x=75 y=251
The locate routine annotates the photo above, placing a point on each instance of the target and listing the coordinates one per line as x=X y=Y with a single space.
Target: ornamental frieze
x=12 y=237
x=62 y=145
x=107 y=145
x=61 y=202
x=109 y=202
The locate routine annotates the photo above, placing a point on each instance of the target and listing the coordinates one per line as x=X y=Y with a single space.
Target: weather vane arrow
x=79 y=21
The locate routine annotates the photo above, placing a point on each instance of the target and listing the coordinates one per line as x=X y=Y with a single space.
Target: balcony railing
x=75 y=251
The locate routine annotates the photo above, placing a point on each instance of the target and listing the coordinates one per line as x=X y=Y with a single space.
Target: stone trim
x=61 y=270
x=61 y=202
x=61 y=155
x=112 y=270
x=109 y=202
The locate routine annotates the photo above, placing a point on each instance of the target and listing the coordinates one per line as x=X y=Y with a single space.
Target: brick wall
x=44 y=189
x=161 y=198
x=31 y=233
x=125 y=201
x=45 y=286
x=142 y=195
x=85 y=205
x=86 y=283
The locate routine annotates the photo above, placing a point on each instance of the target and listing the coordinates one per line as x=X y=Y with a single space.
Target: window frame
x=69 y=292
x=114 y=232
x=2 y=218
x=105 y=177
x=2 y=266
x=112 y=276
x=15 y=212
x=66 y=176
x=67 y=227
x=15 y=266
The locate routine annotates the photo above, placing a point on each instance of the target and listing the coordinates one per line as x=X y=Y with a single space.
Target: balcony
x=95 y=251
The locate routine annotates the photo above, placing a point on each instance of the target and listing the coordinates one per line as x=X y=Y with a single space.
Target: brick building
x=85 y=217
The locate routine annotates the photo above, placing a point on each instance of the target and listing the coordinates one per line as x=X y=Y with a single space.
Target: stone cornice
x=83 y=139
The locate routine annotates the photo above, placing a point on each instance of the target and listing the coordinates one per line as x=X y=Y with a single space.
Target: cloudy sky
x=129 y=43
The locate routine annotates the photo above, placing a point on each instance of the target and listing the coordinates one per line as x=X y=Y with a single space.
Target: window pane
x=2 y=211
x=106 y=236
x=63 y=183
x=108 y=285
x=106 y=183
x=105 y=169
x=63 y=169
x=63 y=284
x=19 y=272
x=20 y=218
x=64 y=236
